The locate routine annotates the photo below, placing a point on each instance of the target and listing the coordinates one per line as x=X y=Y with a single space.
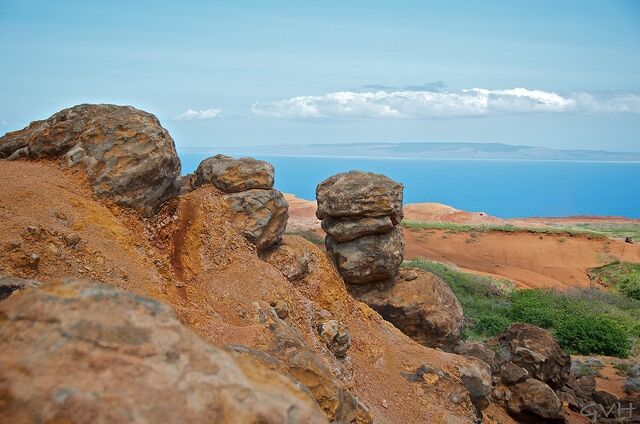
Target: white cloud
x=199 y=115
x=445 y=104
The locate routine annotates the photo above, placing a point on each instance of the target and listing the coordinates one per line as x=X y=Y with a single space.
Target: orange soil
x=528 y=259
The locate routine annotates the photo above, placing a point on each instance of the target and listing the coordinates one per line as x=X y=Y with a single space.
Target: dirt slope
x=190 y=257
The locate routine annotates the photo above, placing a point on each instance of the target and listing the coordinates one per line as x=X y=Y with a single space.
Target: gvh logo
x=616 y=411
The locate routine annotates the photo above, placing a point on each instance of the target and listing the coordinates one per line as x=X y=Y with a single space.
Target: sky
x=560 y=74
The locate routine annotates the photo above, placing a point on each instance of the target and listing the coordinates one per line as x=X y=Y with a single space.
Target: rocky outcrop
x=359 y=211
x=233 y=175
x=86 y=353
x=423 y=307
x=535 y=350
x=127 y=155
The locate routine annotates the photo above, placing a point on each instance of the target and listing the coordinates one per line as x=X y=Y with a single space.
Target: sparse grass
x=621 y=276
x=453 y=227
x=585 y=321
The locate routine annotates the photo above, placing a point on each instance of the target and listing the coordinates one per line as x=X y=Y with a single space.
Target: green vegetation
x=593 y=230
x=585 y=321
x=621 y=276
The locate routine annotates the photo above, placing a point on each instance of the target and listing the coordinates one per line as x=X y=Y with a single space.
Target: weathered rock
x=308 y=368
x=512 y=374
x=358 y=193
x=582 y=386
x=537 y=351
x=261 y=215
x=87 y=353
x=125 y=152
x=233 y=175
x=346 y=229
x=9 y=285
x=289 y=258
x=632 y=382
x=475 y=349
x=476 y=376
x=336 y=335
x=281 y=307
x=424 y=308
x=534 y=396
x=368 y=258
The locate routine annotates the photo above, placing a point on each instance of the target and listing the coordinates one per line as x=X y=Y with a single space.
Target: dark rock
x=261 y=215
x=512 y=374
x=368 y=258
x=233 y=175
x=127 y=155
x=8 y=285
x=346 y=229
x=476 y=377
x=424 y=308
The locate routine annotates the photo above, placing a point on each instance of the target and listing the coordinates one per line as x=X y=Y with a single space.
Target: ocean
x=508 y=189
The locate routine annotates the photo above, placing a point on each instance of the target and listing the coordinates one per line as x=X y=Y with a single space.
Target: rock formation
x=260 y=212
x=87 y=353
x=126 y=154
x=359 y=211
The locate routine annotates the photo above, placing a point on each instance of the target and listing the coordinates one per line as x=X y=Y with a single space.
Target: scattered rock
x=71 y=239
x=537 y=351
x=125 y=152
x=476 y=349
x=346 y=229
x=281 y=307
x=368 y=258
x=628 y=240
x=336 y=336
x=87 y=353
x=359 y=193
x=290 y=258
x=261 y=215
x=534 y=396
x=424 y=308
x=233 y=175
x=512 y=374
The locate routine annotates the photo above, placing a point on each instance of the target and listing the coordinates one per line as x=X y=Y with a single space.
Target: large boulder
x=127 y=155
x=368 y=258
x=424 y=308
x=477 y=350
x=358 y=193
x=78 y=352
x=537 y=351
x=233 y=175
x=261 y=215
x=535 y=397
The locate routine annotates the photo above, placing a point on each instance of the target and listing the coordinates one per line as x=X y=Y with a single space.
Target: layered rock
x=127 y=155
x=259 y=211
x=87 y=353
x=359 y=211
x=422 y=306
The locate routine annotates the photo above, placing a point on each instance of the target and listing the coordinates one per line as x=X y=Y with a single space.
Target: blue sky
x=563 y=74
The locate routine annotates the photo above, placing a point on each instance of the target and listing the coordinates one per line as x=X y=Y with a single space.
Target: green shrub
x=537 y=307
x=589 y=334
x=630 y=285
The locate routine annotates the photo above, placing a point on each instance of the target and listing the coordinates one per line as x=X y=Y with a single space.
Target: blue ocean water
x=507 y=189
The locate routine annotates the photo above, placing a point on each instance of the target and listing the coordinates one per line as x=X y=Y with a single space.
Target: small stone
x=336 y=336
x=33 y=231
x=72 y=239
x=384 y=403
x=281 y=307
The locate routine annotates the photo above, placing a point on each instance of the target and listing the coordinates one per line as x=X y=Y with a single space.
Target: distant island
x=489 y=151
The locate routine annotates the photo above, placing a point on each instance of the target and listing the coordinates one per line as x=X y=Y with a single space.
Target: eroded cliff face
x=192 y=256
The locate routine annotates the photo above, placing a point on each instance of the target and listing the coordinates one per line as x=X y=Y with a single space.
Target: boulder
x=79 y=352
x=368 y=258
x=358 y=194
x=126 y=154
x=289 y=257
x=536 y=397
x=512 y=374
x=537 y=351
x=478 y=350
x=346 y=229
x=261 y=215
x=423 y=308
x=476 y=376
x=233 y=175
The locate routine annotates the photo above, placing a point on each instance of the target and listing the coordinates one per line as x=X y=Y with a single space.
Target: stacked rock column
x=360 y=212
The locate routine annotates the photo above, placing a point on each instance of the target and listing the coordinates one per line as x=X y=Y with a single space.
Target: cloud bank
x=198 y=115
x=431 y=104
